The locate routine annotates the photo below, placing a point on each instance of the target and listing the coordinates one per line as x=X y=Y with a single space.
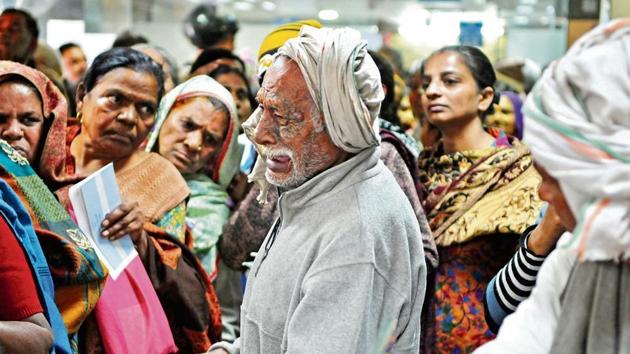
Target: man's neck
x=343 y=157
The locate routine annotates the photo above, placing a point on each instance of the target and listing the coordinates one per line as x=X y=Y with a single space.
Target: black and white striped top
x=513 y=283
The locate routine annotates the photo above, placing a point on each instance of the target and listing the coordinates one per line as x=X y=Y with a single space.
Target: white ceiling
x=351 y=12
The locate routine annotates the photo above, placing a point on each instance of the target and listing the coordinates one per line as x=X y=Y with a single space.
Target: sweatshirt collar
x=331 y=181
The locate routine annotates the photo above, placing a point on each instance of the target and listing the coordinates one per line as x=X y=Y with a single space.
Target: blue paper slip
x=92 y=199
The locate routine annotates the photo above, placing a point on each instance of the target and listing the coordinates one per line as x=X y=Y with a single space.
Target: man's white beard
x=294 y=180
x=301 y=171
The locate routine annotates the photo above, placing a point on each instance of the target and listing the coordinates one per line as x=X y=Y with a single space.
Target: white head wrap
x=578 y=127
x=343 y=80
x=344 y=83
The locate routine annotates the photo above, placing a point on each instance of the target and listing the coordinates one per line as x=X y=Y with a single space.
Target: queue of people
x=306 y=216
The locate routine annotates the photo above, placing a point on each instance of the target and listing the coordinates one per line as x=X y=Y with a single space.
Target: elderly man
x=578 y=127
x=18 y=36
x=342 y=269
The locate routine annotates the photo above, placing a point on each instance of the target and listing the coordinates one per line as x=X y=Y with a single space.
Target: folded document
x=92 y=199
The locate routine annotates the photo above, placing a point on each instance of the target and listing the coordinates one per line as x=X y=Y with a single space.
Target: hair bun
x=497 y=97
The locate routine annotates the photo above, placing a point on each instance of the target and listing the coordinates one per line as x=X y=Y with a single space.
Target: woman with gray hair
x=165 y=60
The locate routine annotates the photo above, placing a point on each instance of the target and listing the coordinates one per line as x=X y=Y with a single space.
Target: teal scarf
x=20 y=222
x=206 y=214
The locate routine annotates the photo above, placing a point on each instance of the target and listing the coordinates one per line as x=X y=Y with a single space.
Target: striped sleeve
x=513 y=283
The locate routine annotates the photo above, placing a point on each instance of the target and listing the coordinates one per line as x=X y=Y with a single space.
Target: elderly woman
x=236 y=83
x=196 y=130
x=31 y=111
x=116 y=104
x=482 y=195
x=577 y=122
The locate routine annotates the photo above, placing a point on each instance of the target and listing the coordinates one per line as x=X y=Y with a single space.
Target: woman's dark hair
x=67 y=46
x=478 y=64
x=121 y=57
x=224 y=69
x=388 y=106
x=212 y=54
x=221 y=107
x=19 y=79
x=128 y=39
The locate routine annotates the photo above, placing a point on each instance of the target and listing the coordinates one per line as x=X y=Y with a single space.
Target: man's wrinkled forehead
x=283 y=78
x=283 y=68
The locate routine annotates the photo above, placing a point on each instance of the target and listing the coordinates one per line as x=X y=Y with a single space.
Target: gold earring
x=79 y=116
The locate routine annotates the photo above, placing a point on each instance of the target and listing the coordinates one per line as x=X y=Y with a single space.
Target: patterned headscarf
x=226 y=164
x=54 y=106
x=578 y=127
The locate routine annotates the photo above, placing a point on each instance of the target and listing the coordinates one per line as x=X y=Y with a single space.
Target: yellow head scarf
x=276 y=38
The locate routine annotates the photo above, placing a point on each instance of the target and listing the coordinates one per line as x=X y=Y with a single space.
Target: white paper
x=92 y=199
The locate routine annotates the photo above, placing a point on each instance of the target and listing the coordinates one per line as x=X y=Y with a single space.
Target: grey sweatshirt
x=341 y=271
